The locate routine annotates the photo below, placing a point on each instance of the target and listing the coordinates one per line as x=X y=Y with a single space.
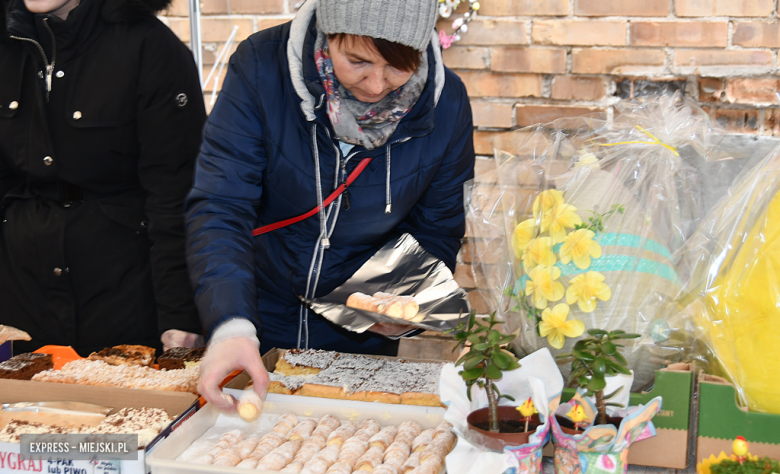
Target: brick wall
x=529 y=61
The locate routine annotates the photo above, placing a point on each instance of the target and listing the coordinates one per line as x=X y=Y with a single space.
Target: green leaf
x=582 y=381
x=474 y=339
x=563 y=356
x=599 y=366
x=502 y=359
x=463 y=358
x=481 y=346
x=472 y=320
x=506 y=339
x=514 y=365
x=493 y=372
x=610 y=404
x=596 y=383
x=472 y=362
x=607 y=397
x=627 y=336
x=472 y=374
x=618 y=367
x=493 y=335
x=619 y=357
x=509 y=397
x=608 y=348
x=583 y=355
x=597 y=332
x=617 y=331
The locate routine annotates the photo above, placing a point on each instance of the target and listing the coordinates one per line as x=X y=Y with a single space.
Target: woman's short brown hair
x=398 y=55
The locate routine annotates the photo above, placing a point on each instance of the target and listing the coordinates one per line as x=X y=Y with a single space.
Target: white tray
x=162 y=460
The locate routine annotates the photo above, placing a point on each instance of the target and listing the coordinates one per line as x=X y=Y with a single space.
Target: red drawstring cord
x=278 y=225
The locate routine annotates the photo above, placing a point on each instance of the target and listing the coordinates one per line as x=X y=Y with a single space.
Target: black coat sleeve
x=170 y=119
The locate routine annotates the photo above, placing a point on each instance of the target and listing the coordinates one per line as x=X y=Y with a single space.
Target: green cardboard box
x=721 y=420
x=669 y=447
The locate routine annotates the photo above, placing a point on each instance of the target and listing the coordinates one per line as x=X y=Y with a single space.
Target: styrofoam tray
x=203 y=429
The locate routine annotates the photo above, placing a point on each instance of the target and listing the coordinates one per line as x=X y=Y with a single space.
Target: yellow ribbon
x=656 y=142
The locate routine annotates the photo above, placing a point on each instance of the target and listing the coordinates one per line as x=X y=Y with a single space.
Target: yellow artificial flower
x=585 y=289
x=543 y=285
x=522 y=236
x=556 y=329
x=580 y=247
x=539 y=251
x=558 y=219
x=546 y=200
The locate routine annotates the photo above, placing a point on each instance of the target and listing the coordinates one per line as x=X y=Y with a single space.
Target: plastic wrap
x=578 y=226
x=731 y=298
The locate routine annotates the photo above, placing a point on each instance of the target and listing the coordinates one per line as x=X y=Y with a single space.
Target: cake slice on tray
x=126 y=354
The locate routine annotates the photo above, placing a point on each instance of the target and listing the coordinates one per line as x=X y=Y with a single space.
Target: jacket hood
x=13 y=13
x=117 y=11
x=299 y=30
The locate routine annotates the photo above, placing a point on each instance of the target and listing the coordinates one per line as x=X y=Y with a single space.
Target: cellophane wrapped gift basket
x=588 y=217
x=730 y=302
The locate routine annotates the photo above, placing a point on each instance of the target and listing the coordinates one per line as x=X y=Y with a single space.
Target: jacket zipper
x=49 y=66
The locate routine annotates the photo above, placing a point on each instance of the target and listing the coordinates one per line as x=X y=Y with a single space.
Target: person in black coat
x=101 y=116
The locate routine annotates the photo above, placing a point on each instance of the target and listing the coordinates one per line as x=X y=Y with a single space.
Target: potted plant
x=606 y=446
x=595 y=358
x=484 y=361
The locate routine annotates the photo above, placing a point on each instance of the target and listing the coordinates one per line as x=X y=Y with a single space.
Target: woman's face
x=363 y=71
x=59 y=8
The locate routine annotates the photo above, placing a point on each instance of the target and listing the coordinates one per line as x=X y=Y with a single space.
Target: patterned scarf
x=360 y=123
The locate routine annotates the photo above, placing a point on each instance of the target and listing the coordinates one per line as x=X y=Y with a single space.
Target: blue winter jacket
x=268 y=147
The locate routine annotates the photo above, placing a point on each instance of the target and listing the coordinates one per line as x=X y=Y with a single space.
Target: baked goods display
x=146 y=422
x=25 y=366
x=330 y=446
x=180 y=358
x=402 y=307
x=325 y=374
x=98 y=372
x=125 y=354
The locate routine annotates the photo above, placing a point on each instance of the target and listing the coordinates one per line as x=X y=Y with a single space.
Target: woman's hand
x=224 y=357
x=175 y=338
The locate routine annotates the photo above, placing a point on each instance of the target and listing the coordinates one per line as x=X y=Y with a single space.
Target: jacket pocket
x=11 y=78
x=127 y=210
x=102 y=96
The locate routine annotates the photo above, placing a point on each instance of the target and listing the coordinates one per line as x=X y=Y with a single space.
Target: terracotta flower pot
x=505 y=414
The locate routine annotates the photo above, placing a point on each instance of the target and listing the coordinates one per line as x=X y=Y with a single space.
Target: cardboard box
x=669 y=447
x=12 y=391
x=163 y=459
x=721 y=420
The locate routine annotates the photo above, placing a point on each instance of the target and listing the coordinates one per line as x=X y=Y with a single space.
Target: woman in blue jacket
x=303 y=105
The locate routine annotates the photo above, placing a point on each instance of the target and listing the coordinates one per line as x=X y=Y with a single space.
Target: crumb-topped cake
x=146 y=422
x=180 y=358
x=25 y=366
x=125 y=354
x=308 y=362
x=356 y=377
x=97 y=372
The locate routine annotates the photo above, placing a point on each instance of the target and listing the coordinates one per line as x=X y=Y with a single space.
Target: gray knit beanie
x=408 y=22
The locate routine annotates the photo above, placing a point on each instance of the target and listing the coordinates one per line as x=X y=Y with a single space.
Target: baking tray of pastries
x=123 y=366
x=328 y=374
x=312 y=436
